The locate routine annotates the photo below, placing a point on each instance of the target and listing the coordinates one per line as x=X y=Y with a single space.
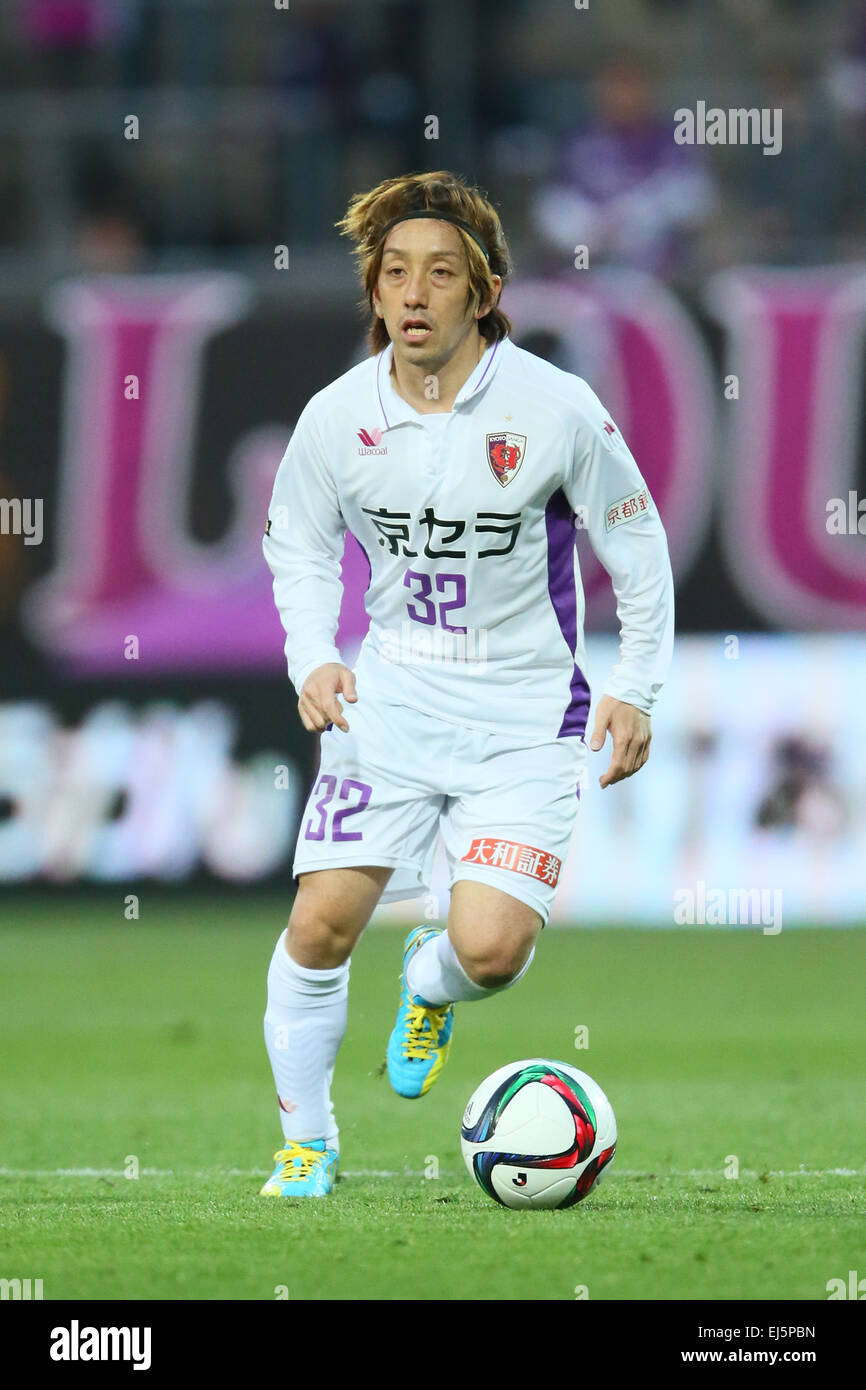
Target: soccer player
x=462 y=464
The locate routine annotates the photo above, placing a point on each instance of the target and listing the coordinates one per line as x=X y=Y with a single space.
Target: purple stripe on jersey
x=378 y=392
x=356 y=576
x=489 y=364
x=559 y=519
x=369 y=565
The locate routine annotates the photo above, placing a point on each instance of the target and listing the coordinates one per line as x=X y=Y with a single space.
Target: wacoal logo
x=370 y=441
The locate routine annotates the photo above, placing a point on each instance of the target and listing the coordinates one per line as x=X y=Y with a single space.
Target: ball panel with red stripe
x=538 y=1133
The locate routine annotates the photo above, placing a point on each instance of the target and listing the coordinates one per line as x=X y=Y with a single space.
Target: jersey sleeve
x=303 y=545
x=613 y=504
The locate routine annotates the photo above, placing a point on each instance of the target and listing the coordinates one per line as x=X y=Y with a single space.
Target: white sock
x=435 y=973
x=304 y=1025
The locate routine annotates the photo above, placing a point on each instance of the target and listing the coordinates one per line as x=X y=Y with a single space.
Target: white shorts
x=385 y=789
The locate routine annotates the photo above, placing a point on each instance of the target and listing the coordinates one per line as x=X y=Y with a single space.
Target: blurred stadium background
x=172 y=291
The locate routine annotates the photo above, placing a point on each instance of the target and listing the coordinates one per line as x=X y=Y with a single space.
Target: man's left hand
x=630 y=730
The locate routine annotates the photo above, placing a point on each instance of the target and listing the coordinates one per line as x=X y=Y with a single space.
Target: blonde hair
x=369 y=213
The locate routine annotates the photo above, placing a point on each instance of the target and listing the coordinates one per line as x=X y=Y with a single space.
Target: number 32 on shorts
x=354 y=795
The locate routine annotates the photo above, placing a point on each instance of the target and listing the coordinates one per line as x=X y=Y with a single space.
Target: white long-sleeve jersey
x=468 y=521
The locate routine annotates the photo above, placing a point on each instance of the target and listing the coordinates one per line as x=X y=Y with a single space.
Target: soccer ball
x=538 y=1134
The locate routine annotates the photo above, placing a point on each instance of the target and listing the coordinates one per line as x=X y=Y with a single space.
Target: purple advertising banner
x=744 y=413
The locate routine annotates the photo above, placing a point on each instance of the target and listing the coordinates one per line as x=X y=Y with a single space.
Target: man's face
x=422 y=291
x=623 y=95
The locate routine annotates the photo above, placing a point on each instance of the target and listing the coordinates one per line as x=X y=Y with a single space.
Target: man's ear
x=485 y=306
x=377 y=307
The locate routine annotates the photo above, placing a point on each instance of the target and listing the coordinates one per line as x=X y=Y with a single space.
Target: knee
x=498 y=964
x=315 y=940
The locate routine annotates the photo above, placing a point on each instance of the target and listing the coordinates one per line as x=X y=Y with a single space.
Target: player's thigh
x=331 y=909
x=509 y=829
x=492 y=932
x=374 y=800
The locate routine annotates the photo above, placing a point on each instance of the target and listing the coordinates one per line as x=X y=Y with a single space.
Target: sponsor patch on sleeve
x=627 y=508
x=610 y=435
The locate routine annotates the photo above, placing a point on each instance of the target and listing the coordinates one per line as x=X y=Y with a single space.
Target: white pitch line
x=744 y=1173
x=82 y=1172
x=172 y=1172
x=411 y=1173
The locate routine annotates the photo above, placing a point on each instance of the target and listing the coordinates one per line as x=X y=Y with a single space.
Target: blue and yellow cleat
x=303 y=1170
x=420 y=1042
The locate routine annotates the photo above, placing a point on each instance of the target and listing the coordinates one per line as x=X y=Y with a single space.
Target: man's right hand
x=318 y=705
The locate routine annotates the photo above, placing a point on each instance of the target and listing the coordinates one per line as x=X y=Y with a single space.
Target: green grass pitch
x=144 y=1039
